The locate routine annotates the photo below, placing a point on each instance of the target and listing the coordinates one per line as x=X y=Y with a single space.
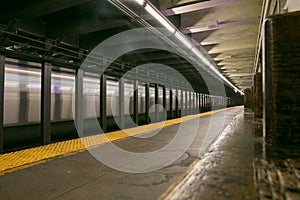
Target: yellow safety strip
x=14 y=161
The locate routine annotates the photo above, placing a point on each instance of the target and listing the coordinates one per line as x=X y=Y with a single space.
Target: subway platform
x=232 y=164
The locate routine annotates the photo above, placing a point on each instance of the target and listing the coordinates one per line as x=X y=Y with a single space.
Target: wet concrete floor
x=240 y=165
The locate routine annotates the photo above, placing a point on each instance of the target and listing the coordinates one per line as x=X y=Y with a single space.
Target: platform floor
x=235 y=163
x=80 y=176
x=240 y=165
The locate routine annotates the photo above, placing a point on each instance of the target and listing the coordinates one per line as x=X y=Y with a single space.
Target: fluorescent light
x=200 y=55
x=141 y=2
x=157 y=16
x=206 y=61
x=183 y=39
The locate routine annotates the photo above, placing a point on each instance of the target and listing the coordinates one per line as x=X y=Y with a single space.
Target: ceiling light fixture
x=183 y=40
x=141 y=2
x=152 y=11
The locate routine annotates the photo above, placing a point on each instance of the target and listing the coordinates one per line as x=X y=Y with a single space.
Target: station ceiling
x=64 y=29
x=227 y=29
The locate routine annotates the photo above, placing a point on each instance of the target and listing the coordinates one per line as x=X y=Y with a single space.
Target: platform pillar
x=191 y=97
x=197 y=103
x=205 y=102
x=182 y=112
x=103 y=92
x=79 y=102
x=171 y=103
x=163 y=117
x=281 y=85
x=248 y=98
x=156 y=97
x=258 y=96
x=147 y=105
x=164 y=98
x=121 y=104
x=186 y=103
x=136 y=102
x=46 y=104
x=176 y=104
x=202 y=103
x=2 y=74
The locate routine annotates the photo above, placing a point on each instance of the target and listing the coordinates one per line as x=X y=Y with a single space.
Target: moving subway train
x=22 y=103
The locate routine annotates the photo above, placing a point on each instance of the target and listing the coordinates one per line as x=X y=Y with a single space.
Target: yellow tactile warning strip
x=25 y=158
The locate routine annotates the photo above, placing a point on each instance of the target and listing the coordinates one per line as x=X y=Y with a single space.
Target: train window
x=141 y=101
x=22 y=92
x=62 y=91
x=174 y=97
x=91 y=95
x=152 y=99
x=160 y=99
x=196 y=102
x=183 y=97
x=112 y=98
x=187 y=102
x=179 y=99
x=128 y=93
x=191 y=100
x=167 y=99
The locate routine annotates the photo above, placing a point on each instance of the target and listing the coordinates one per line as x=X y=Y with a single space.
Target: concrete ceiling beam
x=216 y=26
x=197 y=6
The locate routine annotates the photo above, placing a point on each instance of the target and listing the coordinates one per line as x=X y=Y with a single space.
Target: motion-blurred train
x=22 y=106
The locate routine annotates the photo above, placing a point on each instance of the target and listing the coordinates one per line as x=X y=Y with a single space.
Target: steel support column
x=189 y=100
x=204 y=103
x=46 y=104
x=192 y=102
x=164 y=104
x=103 y=91
x=171 y=103
x=147 y=96
x=164 y=98
x=200 y=103
x=121 y=104
x=156 y=103
x=176 y=103
x=79 y=101
x=186 y=103
x=136 y=102
x=195 y=103
x=2 y=74
x=181 y=103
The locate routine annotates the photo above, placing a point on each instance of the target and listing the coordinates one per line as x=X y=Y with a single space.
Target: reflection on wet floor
x=242 y=166
x=277 y=168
